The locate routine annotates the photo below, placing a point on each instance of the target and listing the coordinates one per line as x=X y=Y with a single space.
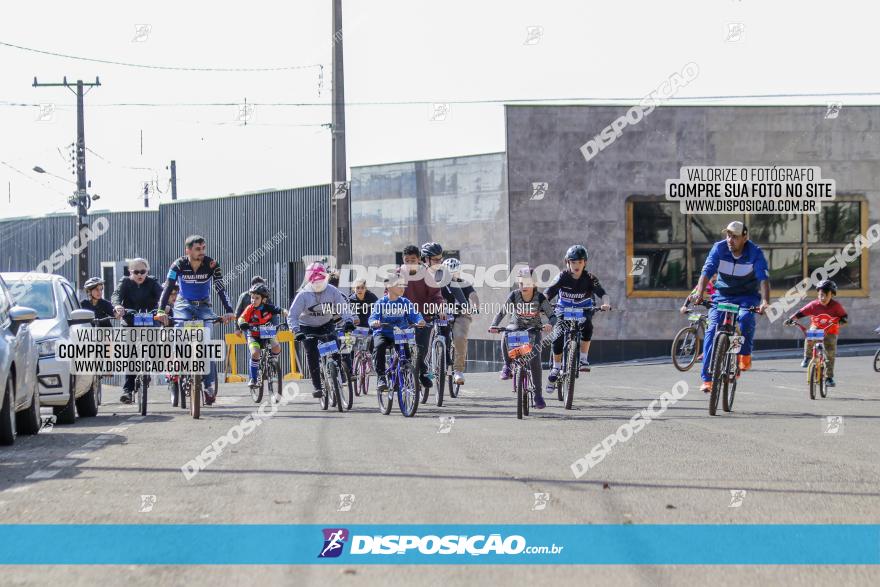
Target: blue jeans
x=186 y=311
x=746 y=321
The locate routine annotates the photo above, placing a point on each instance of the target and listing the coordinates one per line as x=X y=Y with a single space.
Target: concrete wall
x=586 y=200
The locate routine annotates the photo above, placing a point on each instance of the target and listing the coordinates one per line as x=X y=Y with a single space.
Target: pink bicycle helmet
x=316 y=272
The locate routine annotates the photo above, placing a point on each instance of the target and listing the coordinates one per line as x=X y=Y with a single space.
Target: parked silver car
x=19 y=399
x=58 y=311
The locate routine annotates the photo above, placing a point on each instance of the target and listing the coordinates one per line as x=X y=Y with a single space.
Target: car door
x=7 y=343
x=26 y=355
x=69 y=304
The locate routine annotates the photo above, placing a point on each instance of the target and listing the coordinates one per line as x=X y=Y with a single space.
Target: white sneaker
x=457 y=378
x=554 y=375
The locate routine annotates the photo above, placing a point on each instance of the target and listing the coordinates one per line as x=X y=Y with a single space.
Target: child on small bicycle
x=259 y=313
x=392 y=309
x=822 y=312
x=710 y=291
x=525 y=306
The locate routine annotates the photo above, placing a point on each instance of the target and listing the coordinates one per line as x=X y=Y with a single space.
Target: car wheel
x=66 y=414
x=87 y=404
x=29 y=420
x=7 y=414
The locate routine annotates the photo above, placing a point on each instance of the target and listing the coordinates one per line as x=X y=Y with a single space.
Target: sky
x=401 y=58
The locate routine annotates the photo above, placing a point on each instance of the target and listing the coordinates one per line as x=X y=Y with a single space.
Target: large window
x=675 y=245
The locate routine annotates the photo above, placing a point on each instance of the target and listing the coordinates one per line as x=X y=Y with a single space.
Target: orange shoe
x=745 y=362
x=706 y=387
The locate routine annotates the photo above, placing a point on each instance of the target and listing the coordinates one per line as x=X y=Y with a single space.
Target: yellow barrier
x=233 y=339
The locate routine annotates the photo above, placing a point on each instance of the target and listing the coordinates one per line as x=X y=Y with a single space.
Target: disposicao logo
x=334 y=540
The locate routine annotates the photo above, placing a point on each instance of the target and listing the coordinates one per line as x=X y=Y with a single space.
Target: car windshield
x=38 y=295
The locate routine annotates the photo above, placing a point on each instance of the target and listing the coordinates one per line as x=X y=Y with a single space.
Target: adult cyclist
x=744 y=280
x=195 y=273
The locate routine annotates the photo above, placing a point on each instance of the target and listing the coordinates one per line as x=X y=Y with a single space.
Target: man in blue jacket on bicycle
x=743 y=279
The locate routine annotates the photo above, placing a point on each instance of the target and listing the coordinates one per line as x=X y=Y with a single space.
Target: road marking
x=94 y=444
x=18 y=489
x=78 y=454
x=118 y=429
x=63 y=463
x=43 y=474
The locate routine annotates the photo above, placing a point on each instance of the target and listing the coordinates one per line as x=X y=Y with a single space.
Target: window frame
x=692 y=263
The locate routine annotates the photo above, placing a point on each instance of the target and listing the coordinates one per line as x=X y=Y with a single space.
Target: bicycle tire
x=356 y=363
x=730 y=389
x=681 y=339
x=518 y=386
x=182 y=391
x=572 y=373
x=346 y=392
x=333 y=380
x=822 y=391
x=363 y=379
x=142 y=397
x=439 y=349
x=257 y=390
x=386 y=398
x=408 y=393
x=274 y=379
x=196 y=397
x=811 y=378
x=877 y=361
x=719 y=377
x=325 y=386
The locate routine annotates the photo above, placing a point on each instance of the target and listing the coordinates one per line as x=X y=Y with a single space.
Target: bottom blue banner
x=154 y=544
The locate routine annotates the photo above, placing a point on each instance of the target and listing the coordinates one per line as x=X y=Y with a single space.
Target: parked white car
x=58 y=312
x=19 y=398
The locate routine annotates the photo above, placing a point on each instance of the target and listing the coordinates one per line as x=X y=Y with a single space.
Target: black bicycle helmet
x=576 y=253
x=92 y=283
x=827 y=285
x=431 y=250
x=260 y=289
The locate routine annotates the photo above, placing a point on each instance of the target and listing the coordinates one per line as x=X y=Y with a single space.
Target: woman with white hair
x=138 y=291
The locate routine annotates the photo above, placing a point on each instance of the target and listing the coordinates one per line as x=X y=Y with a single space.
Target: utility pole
x=80 y=199
x=173 y=179
x=340 y=207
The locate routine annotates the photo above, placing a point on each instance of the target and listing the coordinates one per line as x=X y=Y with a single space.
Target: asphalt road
x=778 y=447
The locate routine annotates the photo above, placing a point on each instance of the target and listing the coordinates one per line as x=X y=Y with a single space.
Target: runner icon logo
x=334 y=540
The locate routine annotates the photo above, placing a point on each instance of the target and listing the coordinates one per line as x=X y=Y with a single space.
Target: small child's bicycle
x=816 y=368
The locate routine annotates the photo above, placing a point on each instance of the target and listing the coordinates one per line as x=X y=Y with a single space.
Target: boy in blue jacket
x=394 y=310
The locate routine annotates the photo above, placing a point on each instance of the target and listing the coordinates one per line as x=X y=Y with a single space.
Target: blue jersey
x=195 y=285
x=400 y=313
x=736 y=277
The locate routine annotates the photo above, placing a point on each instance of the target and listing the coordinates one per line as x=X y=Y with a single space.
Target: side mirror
x=22 y=314
x=81 y=316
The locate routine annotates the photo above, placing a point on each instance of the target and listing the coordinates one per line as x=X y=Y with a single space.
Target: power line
x=164 y=67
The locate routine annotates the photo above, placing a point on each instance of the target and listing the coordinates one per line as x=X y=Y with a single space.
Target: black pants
x=586 y=332
x=423 y=338
x=311 y=344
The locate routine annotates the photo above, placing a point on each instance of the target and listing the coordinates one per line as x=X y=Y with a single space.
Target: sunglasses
x=140 y=272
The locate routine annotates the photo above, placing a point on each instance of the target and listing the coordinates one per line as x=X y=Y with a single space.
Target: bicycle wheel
x=142 y=396
x=407 y=392
x=821 y=383
x=363 y=377
x=333 y=380
x=385 y=398
x=685 y=348
x=877 y=361
x=730 y=388
x=438 y=366
x=571 y=371
x=812 y=377
x=519 y=384
x=454 y=388
x=195 y=402
x=257 y=390
x=346 y=390
x=356 y=363
x=719 y=368
x=325 y=385
x=273 y=379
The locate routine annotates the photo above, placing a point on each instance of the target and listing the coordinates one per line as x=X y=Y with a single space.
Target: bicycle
x=331 y=371
x=346 y=349
x=725 y=350
x=520 y=351
x=687 y=342
x=141 y=380
x=570 y=321
x=437 y=365
x=362 y=363
x=269 y=369
x=816 y=367
x=400 y=374
x=191 y=385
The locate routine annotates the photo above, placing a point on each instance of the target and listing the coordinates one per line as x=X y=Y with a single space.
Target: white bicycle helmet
x=454 y=265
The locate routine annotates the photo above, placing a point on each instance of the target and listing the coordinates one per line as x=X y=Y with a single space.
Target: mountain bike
x=877 y=356
x=331 y=370
x=816 y=368
x=438 y=354
x=269 y=370
x=400 y=374
x=569 y=323
x=141 y=380
x=725 y=350
x=687 y=342
x=520 y=345
x=192 y=385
